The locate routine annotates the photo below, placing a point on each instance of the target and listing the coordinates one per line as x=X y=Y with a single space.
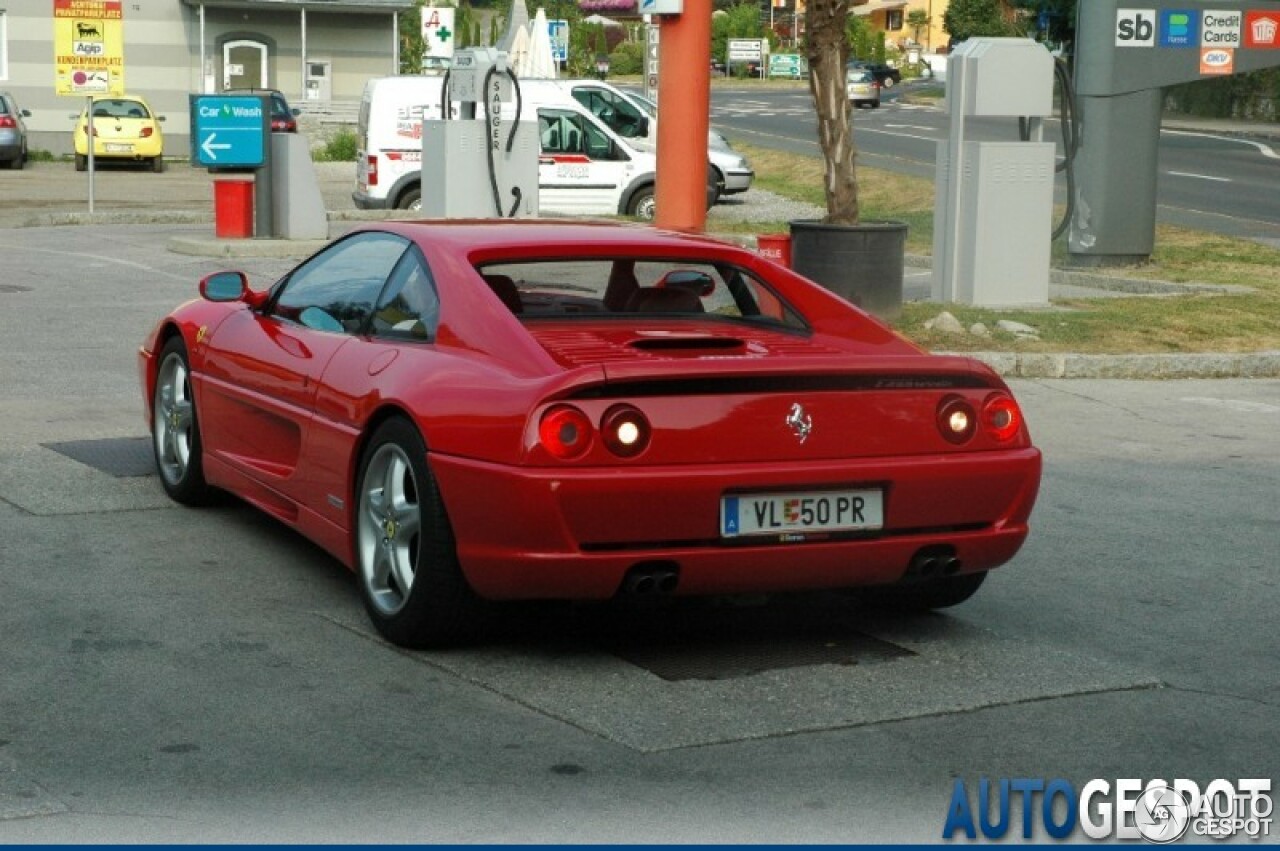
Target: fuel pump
x=994 y=207
x=471 y=168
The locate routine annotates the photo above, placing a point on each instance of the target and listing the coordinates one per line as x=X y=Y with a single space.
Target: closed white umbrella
x=542 y=63
x=518 y=55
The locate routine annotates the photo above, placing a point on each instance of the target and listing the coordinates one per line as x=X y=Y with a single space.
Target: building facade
x=312 y=50
x=890 y=17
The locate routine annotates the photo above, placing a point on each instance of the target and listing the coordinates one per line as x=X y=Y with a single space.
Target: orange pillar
x=684 y=99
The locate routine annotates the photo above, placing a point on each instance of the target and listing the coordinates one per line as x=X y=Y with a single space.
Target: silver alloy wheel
x=173 y=422
x=647 y=209
x=416 y=206
x=388 y=524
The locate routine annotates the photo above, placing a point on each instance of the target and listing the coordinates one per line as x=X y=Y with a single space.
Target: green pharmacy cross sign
x=230 y=131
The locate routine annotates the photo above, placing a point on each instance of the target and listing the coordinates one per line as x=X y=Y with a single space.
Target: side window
x=409 y=308
x=598 y=144
x=336 y=290
x=561 y=132
x=616 y=114
x=627 y=121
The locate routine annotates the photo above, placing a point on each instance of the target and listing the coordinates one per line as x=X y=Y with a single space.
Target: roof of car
x=552 y=236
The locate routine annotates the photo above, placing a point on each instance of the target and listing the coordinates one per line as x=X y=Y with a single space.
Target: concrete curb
x=1153 y=366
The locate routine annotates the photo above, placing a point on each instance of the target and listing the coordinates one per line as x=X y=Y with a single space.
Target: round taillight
x=565 y=432
x=956 y=419
x=1001 y=418
x=625 y=431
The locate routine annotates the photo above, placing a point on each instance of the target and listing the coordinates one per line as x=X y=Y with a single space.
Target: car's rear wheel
x=175 y=428
x=412 y=584
x=157 y=164
x=940 y=592
x=82 y=162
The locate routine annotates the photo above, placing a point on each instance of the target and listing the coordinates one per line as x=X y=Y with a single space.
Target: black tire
x=641 y=205
x=438 y=608
x=82 y=162
x=888 y=83
x=715 y=187
x=921 y=596
x=411 y=200
x=157 y=165
x=175 y=428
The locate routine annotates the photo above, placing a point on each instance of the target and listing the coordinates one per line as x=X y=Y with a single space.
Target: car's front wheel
x=412 y=584
x=642 y=204
x=82 y=162
x=175 y=428
x=411 y=200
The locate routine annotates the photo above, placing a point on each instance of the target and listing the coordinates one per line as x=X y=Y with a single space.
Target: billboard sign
x=88 y=47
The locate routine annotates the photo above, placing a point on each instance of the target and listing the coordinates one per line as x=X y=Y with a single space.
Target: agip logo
x=1135 y=27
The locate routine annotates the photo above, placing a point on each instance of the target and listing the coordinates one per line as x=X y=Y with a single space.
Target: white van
x=635 y=118
x=585 y=167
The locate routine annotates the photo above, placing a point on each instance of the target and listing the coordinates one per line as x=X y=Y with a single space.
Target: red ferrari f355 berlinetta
x=469 y=411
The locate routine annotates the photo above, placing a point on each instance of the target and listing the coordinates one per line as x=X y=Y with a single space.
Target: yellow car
x=124 y=128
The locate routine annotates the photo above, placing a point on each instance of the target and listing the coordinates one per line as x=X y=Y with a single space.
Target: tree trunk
x=828 y=48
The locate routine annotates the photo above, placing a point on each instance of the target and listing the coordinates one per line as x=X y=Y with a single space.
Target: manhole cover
x=122 y=457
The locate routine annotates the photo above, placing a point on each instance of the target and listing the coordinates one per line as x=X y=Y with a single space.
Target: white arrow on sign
x=208 y=147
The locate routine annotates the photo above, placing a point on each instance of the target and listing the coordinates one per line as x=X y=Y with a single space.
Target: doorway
x=244 y=65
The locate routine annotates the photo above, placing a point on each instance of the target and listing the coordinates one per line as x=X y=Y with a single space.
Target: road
x=1210 y=181
x=174 y=674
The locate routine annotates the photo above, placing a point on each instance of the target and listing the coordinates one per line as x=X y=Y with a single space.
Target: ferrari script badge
x=800 y=422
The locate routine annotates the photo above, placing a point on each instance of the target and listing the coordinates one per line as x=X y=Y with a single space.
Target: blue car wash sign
x=230 y=131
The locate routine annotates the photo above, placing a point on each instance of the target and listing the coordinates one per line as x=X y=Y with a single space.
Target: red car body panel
x=284 y=411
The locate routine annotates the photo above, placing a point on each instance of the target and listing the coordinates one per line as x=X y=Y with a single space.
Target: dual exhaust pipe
x=651 y=579
x=933 y=562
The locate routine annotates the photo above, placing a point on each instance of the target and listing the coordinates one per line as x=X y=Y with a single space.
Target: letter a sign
x=437 y=32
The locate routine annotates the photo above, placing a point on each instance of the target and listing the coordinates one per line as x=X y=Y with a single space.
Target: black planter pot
x=861 y=263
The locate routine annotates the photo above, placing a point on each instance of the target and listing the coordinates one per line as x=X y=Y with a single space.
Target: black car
x=886 y=75
x=284 y=119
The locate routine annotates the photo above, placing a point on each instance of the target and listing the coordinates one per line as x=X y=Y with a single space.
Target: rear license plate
x=118 y=149
x=819 y=511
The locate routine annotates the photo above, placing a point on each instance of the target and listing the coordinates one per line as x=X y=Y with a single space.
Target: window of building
x=4 y=45
x=893 y=19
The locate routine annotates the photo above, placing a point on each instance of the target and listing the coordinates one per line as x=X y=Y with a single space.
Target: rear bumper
x=526 y=533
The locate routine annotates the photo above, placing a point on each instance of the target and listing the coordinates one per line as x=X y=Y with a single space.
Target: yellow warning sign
x=88 y=47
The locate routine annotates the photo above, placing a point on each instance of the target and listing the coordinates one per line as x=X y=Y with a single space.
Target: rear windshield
x=625 y=287
x=120 y=108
